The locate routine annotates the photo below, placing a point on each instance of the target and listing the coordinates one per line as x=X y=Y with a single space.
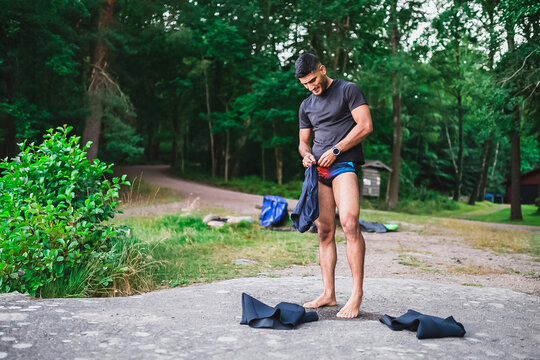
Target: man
x=337 y=118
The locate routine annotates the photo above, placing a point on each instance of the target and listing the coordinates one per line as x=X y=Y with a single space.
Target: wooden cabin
x=528 y=188
x=371 y=178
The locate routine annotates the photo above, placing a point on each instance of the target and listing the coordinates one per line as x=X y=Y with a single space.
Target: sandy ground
x=410 y=253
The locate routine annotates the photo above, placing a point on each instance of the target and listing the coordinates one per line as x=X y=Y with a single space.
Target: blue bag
x=274 y=210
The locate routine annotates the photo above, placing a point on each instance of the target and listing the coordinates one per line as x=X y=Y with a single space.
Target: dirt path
x=416 y=251
x=197 y=196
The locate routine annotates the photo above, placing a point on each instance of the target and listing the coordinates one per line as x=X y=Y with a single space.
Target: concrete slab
x=202 y=322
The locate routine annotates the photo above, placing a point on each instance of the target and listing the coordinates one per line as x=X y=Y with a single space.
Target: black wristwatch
x=335 y=151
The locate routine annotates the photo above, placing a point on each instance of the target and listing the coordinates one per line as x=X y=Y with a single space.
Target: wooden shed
x=371 y=177
x=529 y=187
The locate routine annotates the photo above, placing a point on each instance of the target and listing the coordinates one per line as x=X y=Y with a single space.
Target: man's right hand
x=308 y=159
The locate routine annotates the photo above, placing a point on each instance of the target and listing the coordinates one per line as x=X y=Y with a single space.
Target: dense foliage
x=53 y=207
x=207 y=86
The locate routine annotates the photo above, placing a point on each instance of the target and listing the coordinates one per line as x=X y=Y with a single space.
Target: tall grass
x=141 y=193
x=499 y=240
x=126 y=269
x=189 y=251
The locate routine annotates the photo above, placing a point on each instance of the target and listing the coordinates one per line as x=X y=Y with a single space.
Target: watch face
x=335 y=151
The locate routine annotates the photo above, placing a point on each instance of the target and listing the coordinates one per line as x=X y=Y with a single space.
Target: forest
x=209 y=86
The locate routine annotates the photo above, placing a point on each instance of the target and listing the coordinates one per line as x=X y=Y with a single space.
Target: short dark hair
x=305 y=64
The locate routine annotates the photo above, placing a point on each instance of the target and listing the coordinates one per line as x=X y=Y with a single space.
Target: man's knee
x=350 y=226
x=325 y=231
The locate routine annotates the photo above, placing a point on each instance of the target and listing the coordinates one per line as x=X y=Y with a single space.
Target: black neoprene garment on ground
x=284 y=316
x=329 y=116
x=426 y=326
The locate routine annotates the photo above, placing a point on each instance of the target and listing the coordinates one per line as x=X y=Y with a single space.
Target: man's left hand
x=327 y=159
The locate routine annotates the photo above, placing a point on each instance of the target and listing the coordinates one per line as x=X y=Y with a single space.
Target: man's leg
x=347 y=198
x=326 y=228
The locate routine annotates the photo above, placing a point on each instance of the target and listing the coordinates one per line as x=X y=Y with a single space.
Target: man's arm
x=304 y=148
x=362 y=129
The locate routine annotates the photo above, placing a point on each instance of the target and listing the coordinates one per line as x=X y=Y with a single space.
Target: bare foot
x=351 y=308
x=323 y=300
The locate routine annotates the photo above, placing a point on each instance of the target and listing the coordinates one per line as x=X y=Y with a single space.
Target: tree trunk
x=8 y=125
x=476 y=186
x=279 y=165
x=208 y=112
x=185 y=145
x=175 y=134
x=150 y=142
x=460 y=150
x=476 y=194
x=538 y=193
x=515 y=152
x=92 y=129
x=227 y=142
x=515 y=177
x=451 y=149
x=396 y=147
x=485 y=168
x=495 y=160
x=459 y=173
x=396 y=117
x=263 y=163
x=8 y=142
x=481 y=183
x=335 y=60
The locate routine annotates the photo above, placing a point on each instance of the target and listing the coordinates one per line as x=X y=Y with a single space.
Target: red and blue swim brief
x=328 y=174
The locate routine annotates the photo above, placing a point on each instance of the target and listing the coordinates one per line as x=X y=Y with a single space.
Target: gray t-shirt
x=329 y=116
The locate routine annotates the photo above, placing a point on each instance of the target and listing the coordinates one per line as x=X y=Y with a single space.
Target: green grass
x=472 y=284
x=529 y=212
x=411 y=260
x=463 y=209
x=191 y=252
x=482 y=211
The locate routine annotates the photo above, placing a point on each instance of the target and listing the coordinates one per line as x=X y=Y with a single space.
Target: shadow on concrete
x=330 y=312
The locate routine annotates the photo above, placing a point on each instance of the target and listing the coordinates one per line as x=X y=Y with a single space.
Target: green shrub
x=53 y=204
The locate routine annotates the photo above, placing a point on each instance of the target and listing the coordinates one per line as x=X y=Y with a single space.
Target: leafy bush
x=53 y=204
